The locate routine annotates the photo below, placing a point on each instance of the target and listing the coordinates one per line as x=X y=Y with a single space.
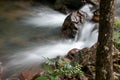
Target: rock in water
x=69 y=29
x=96 y=16
x=73 y=22
x=70 y=26
x=71 y=53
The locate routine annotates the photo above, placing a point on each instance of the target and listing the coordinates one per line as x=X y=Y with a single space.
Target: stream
x=29 y=34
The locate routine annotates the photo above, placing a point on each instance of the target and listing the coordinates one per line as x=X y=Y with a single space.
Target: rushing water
x=28 y=35
x=50 y=19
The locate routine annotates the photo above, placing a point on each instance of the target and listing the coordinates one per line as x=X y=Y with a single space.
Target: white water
x=46 y=17
x=52 y=19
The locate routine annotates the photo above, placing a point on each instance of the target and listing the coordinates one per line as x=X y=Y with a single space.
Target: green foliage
x=42 y=78
x=117 y=45
x=117 y=23
x=61 y=68
x=65 y=68
x=117 y=35
x=117 y=40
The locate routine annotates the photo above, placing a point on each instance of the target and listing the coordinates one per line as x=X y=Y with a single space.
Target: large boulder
x=87 y=58
x=73 y=23
x=69 y=29
x=70 y=26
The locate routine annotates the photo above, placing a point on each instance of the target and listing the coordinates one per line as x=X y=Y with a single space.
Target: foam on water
x=52 y=19
x=55 y=48
x=46 y=17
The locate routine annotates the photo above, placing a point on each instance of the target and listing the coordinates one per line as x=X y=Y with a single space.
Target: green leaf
x=48 y=68
x=52 y=78
x=117 y=23
x=42 y=78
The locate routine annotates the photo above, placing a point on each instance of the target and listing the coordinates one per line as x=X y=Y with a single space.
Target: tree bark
x=104 y=63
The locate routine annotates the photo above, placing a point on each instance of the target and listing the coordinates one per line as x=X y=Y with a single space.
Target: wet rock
x=31 y=73
x=87 y=57
x=70 y=26
x=83 y=58
x=96 y=16
x=35 y=76
x=69 y=29
x=95 y=19
x=73 y=23
x=71 y=53
x=25 y=75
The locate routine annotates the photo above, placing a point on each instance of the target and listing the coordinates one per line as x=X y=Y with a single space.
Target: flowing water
x=52 y=47
x=28 y=34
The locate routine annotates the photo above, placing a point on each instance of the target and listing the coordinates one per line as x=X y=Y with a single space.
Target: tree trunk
x=104 y=63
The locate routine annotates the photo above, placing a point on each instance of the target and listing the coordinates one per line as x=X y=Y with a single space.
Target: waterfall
x=53 y=19
x=49 y=22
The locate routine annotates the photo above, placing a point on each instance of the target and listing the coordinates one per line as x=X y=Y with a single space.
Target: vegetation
x=60 y=69
x=117 y=35
x=117 y=40
x=117 y=23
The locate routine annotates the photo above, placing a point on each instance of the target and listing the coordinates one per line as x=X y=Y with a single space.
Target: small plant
x=117 y=35
x=117 y=23
x=56 y=70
